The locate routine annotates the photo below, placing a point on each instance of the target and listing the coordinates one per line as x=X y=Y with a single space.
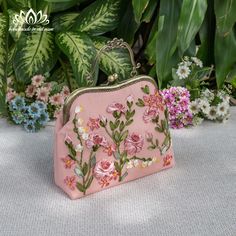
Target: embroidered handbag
x=112 y=134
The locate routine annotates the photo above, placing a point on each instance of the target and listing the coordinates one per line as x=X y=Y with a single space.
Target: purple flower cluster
x=177 y=100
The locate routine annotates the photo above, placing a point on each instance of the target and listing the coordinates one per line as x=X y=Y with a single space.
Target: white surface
x=196 y=197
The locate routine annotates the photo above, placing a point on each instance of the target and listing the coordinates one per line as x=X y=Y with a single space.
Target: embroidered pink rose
x=115 y=106
x=68 y=162
x=93 y=123
x=104 y=169
x=149 y=114
x=70 y=182
x=167 y=160
x=95 y=139
x=134 y=143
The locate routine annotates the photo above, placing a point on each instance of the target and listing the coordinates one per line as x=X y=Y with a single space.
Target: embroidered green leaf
x=122 y=126
x=114 y=61
x=36 y=53
x=112 y=125
x=140 y=103
x=159 y=129
x=3 y=48
x=93 y=161
x=117 y=166
x=129 y=122
x=116 y=136
x=117 y=155
x=124 y=135
x=80 y=187
x=85 y=169
x=89 y=182
x=99 y=17
x=79 y=172
x=146 y=89
x=64 y=22
x=81 y=52
x=123 y=176
x=139 y=8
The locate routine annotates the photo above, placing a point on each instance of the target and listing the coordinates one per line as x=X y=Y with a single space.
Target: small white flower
x=197 y=120
x=130 y=165
x=194 y=107
x=149 y=163
x=204 y=106
x=136 y=163
x=78 y=109
x=81 y=130
x=85 y=136
x=226 y=117
x=154 y=159
x=222 y=109
x=163 y=150
x=197 y=61
x=79 y=148
x=183 y=71
x=212 y=114
x=207 y=94
x=80 y=121
x=144 y=164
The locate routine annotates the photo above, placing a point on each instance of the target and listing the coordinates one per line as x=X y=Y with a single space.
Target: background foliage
x=161 y=32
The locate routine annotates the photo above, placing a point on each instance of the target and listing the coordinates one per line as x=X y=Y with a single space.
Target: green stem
x=89 y=171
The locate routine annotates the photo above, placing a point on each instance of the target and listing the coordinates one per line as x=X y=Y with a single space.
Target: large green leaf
x=191 y=17
x=149 y=11
x=139 y=8
x=3 y=47
x=225 y=51
x=115 y=61
x=127 y=26
x=225 y=15
x=36 y=54
x=79 y=49
x=19 y=4
x=166 y=39
x=63 y=22
x=99 y=17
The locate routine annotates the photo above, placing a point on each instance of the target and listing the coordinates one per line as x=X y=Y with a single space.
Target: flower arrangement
x=177 y=100
x=40 y=102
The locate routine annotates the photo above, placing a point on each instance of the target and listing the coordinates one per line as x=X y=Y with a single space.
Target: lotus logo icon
x=31 y=18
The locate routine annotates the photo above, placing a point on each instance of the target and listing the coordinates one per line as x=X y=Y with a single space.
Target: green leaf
x=99 y=17
x=79 y=172
x=149 y=11
x=139 y=8
x=3 y=48
x=225 y=51
x=159 y=129
x=146 y=89
x=89 y=182
x=93 y=161
x=123 y=176
x=64 y=22
x=225 y=15
x=117 y=166
x=129 y=122
x=19 y=4
x=117 y=155
x=124 y=135
x=122 y=126
x=81 y=52
x=85 y=169
x=191 y=18
x=140 y=103
x=80 y=187
x=112 y=125
x=35 y=54
x=166 y=39
x=115 y=61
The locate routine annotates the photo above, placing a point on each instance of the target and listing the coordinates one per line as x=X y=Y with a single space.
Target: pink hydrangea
x=56 y=99
x=42 y=94
x=93 y=123
x=177 y=100
x=37 y=80
x=134 y=143
x=30 y=91
x=115 y=106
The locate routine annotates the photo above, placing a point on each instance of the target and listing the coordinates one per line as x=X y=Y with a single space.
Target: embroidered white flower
x=149 y=163
x=212 y=114
x=85 y=136
x=197 y=61
x=154 y=159
x=80 y=121
x=81 y=130
x=130 y=165
x=79 y=148
x=135 y=163
x=78 y=109
x=194 y=107
x=144 y=164
x=183 y=71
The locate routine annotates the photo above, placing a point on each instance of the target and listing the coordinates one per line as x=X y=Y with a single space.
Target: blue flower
x=30 y=126
x=34 y=110
x=43 y=119
x=18 y=103
x=41 y=105
x=18 y=117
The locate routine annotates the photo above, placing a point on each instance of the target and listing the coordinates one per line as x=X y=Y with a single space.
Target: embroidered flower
x=132 y=163
x=104 y=168
x=154 y=101
x=68 y=139
x=130 y=98
x=37 y=80
x=167 y=160
x=42 y=94
x=95 y=140
x=70 y=182
x=134 y=143
x=56 y=99
x=79 y=148
x=115 y=106
x=80 y=121
x=150 y=114
x=30 y=91
x=93 y=123
x=85 y=136
x=68 y=162
x=78 y=109
x=109 y=149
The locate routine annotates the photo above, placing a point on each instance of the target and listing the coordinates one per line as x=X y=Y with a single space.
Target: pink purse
x=112 y=134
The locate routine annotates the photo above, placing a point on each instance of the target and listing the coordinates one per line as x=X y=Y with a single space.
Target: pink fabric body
x=95 y=104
